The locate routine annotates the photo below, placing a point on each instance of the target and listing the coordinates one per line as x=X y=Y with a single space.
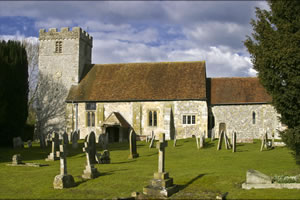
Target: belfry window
x=152 y=118
x=253 y=117
x=58 y=47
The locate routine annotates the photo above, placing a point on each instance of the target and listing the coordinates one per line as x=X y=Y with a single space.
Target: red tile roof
x=142 y=81
x=238 y=91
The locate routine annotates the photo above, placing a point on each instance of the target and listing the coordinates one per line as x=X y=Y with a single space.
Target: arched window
x=154 y=118
x=150 y=118
x=253 y=117
x=88 y=118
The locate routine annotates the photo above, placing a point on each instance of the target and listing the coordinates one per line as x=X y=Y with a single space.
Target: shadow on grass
x=129 y=161
x=151 y=154
x=182 y=187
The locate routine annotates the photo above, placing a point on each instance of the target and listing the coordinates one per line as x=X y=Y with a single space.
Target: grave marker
x=63 y=180
x=161 y=185
x=132 y=145
x=90 y=171
x=234 y=142
x=75 y=138
x=55 y=148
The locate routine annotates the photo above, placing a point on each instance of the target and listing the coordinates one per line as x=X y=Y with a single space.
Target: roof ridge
x=200 y=61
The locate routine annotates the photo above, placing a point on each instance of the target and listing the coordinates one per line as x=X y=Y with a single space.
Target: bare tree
x=50 y=107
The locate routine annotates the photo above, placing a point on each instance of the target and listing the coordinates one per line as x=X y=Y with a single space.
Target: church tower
x=63 y=55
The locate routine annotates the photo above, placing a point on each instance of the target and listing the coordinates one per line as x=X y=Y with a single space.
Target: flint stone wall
x=169 y=117
x=239 y=118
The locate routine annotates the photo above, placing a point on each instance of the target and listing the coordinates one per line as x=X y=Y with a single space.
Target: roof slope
x=238 y=91
x=142 y=81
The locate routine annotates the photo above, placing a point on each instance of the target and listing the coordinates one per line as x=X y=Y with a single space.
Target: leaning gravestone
x=18 y=143
x=220 y=141
x=161 y=185
x=91 y=141
x=75 y=138
x=90 y=171
x=63 y=180
x=55 y=144
x=152 y=141
x=132 y=145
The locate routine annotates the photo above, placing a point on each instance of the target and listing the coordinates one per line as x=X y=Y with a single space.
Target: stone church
x=176 y=98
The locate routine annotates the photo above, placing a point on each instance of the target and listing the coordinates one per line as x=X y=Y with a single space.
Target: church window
x=90 y=106
x=188 y=119
x=58 y=47
x=184 y=119
x=152 y=118
x=253 y=117
x=90 y=114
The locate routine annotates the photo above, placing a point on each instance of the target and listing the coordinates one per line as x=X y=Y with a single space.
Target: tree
x=50 y=107
x=275 y=53
x=13 y=90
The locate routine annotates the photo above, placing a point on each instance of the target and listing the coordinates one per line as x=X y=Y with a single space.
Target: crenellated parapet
x=65 y=34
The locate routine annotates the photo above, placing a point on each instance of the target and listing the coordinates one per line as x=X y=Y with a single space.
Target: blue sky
x=146 y=31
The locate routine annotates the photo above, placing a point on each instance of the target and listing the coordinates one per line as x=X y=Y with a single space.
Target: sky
x=146 y=31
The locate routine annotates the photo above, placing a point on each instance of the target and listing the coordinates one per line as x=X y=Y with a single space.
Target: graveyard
x=199 y=173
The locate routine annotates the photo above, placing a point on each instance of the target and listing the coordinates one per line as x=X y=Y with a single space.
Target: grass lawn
x=198 y=173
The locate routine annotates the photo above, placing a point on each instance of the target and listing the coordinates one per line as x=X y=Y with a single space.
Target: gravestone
x=254 y=177
x=63 y=180
x=264 y=142
x=75 y=138
x=220 y=141
x=212 y=136
x=162 y=184
x=104 y=158
x=233 y=141
x=18 y=143
x=132 y=145
x=227 y=142
x=55 y=147
x=65 y=138
x=29 y=143
x=197 y=141
x=102 y=141
x=152 y=141
x=91 y=141
x=90 y=171
x=202 y=141
x=17 y=159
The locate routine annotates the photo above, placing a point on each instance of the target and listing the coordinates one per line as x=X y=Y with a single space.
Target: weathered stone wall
x=169 y=117
x=58 y=72
x=239 y=118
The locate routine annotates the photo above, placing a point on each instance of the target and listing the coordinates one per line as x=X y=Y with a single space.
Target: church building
x=175 y=98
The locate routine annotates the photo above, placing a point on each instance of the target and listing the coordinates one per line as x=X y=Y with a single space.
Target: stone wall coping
x=248 y=186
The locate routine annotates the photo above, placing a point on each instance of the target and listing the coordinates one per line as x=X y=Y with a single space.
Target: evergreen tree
x=13 y=91
x=275 y=53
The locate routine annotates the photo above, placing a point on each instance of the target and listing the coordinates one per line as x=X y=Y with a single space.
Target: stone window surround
x=58 y=46
x=192 y=115
x=90 y=119
x=154 y=121
x=253 y=117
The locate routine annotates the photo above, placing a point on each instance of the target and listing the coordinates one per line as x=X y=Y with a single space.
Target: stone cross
x=63 y=160
x=90 y=172
x=55 y=147
x=161 y=154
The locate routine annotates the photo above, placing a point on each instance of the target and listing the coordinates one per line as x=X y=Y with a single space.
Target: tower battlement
x=65 y=33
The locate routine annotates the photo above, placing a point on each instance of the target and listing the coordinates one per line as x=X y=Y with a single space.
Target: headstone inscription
x=55 y=147
x=132 y=145
x=63 y=180
x=162 y=184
